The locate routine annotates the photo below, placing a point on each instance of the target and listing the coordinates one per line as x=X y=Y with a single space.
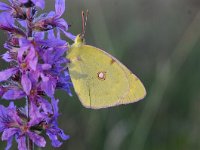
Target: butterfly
x=99 y=79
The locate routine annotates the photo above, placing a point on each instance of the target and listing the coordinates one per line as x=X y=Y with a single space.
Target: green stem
x=30 y=143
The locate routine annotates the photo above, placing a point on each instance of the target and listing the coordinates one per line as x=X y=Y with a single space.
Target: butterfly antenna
x=84 y=22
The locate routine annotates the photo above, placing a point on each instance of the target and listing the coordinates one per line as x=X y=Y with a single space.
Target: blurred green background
x=159 y=40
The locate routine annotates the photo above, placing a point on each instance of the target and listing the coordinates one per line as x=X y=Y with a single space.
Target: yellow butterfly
x=99 y=79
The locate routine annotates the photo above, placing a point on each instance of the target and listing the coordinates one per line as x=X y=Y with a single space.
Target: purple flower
x=37 y=68
x=53 y=132
x=13 y=9
x=12 y=93
x=52 y=129
x=25 y=62
x=53 y=20
x=7 y=23
x=14 y=124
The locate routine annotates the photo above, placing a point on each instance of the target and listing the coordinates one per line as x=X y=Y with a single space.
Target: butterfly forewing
x=98 y=79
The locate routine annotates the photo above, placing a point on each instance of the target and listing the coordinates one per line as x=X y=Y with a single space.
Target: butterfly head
x=79 y=40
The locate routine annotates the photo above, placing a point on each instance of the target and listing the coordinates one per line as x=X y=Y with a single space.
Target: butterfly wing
x=98 y=79
x=137 y=90
x=118 y=85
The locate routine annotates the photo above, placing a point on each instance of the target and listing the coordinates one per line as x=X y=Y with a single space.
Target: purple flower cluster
x=35 y=53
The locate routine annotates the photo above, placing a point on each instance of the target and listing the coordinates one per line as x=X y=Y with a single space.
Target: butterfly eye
x=81 y=37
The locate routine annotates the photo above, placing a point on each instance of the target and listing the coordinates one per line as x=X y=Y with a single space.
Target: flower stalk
x=30 y=144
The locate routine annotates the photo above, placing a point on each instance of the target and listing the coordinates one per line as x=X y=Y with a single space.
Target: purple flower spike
x=36 y=56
